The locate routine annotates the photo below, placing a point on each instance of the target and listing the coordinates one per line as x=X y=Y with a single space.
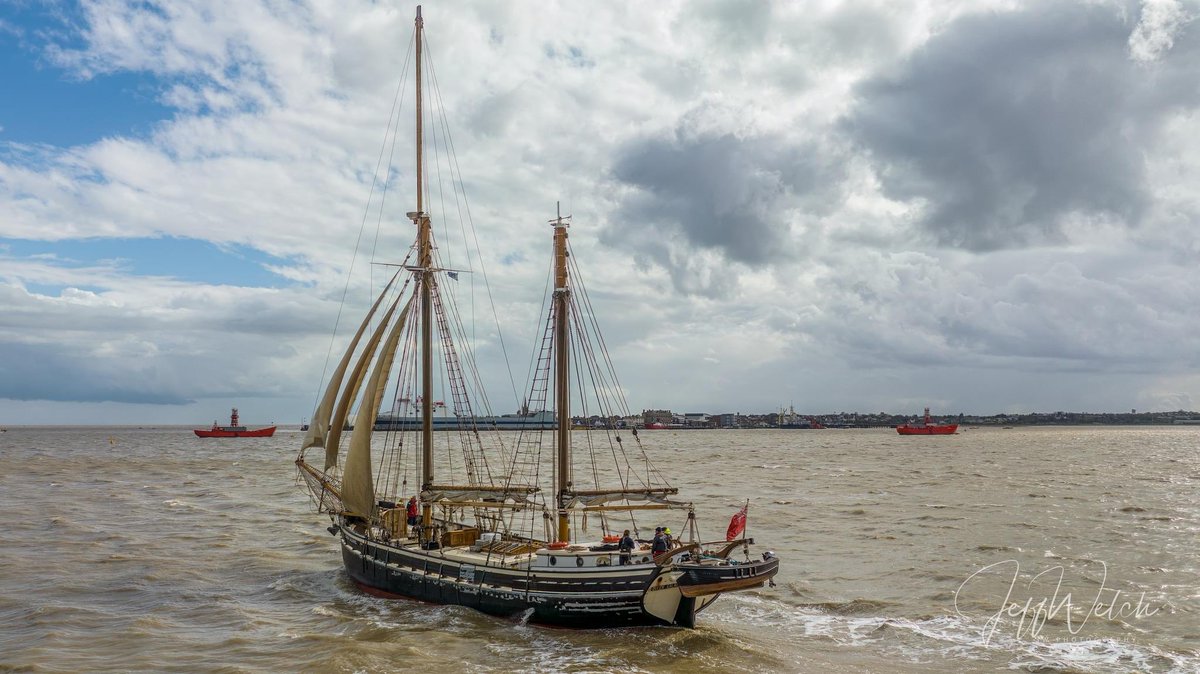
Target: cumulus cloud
x=1155 y=32
x=104 y=335
x=719 y=192
x=1004 y=125
x=718 y=198
x=869 y=205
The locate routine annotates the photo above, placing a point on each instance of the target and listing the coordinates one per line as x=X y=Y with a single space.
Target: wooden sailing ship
x=511 y=523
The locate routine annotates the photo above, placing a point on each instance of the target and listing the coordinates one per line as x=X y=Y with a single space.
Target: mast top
x=559 y=221
x=420 y=22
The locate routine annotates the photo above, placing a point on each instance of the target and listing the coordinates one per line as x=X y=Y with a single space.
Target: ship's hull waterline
x=613 y=596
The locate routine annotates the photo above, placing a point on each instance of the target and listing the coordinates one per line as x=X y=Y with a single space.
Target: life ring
x=578 y=561
x=557 y=545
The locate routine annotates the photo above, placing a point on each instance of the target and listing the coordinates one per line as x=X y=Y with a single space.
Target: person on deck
x=411 y=511
x=626 y=546
x=659 y=545
x=670 y=539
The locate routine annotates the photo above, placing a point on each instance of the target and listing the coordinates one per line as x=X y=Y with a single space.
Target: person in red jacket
x=411 y=510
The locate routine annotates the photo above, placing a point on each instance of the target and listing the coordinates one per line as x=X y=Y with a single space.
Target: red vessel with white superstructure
x=927 y=427
x=234 y=430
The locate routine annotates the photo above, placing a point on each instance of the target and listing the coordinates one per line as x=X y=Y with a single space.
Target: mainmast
x=425 y=272
x=562 y=390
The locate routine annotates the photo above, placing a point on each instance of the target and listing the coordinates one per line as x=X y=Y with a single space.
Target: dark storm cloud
x=44 y=372
x=1007 y=123
x=726 y=194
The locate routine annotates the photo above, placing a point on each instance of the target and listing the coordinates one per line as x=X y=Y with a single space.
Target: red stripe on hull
x=948 y=429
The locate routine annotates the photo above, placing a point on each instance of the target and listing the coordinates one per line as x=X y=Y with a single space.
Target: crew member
x=659 y=545
x=626 y=546
x=411 y=510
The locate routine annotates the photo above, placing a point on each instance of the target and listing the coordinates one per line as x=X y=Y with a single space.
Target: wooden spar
x=425 y=261
x=562 y=391
x=524 y=506
x=324 y=482
x=603 y=492
x=484 y=504
x=631 y=506
x=420 y=27
x=730 y=546
x=665 y=558
x=483 y=488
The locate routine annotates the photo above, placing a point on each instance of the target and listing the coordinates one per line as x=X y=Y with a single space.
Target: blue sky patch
x=190 y=260
x=41 y=103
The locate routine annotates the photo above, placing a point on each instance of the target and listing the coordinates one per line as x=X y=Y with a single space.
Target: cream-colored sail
x=358 y=487
x=350 y=393
x=319 y=426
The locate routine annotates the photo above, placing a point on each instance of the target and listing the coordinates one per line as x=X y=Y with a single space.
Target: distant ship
x=927 y=427
x=789 y=419
x=234 y=430
x=523 y=421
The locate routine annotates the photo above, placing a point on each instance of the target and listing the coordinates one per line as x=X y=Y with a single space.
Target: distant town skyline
x=979 y=207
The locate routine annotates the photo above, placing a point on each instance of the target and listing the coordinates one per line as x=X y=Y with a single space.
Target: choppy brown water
x=130 y=549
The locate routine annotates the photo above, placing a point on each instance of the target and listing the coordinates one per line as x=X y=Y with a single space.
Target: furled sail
x=598 y=497
x=518 y=495
x=317 y=429
x=358 y=487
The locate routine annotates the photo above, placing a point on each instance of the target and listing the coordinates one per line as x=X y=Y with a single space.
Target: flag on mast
x=737 y=524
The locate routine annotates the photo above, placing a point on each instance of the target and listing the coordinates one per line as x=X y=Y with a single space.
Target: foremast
x=562 y=388
x=424 y=274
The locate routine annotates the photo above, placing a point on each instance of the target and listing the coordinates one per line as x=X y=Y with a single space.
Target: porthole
x=578 y=561
x=553 y=560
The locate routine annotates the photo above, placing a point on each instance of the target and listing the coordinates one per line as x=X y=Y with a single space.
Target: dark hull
x=609 y=597
x=699 y=580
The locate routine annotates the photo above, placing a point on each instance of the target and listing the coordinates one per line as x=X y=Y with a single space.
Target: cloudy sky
x=981 y=206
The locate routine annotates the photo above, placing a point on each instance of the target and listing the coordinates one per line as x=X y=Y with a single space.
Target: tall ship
x=234 y=430
x=927 y=427
x=546 y=525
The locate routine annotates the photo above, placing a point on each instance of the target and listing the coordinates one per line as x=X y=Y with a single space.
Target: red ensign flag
x=737 y=524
